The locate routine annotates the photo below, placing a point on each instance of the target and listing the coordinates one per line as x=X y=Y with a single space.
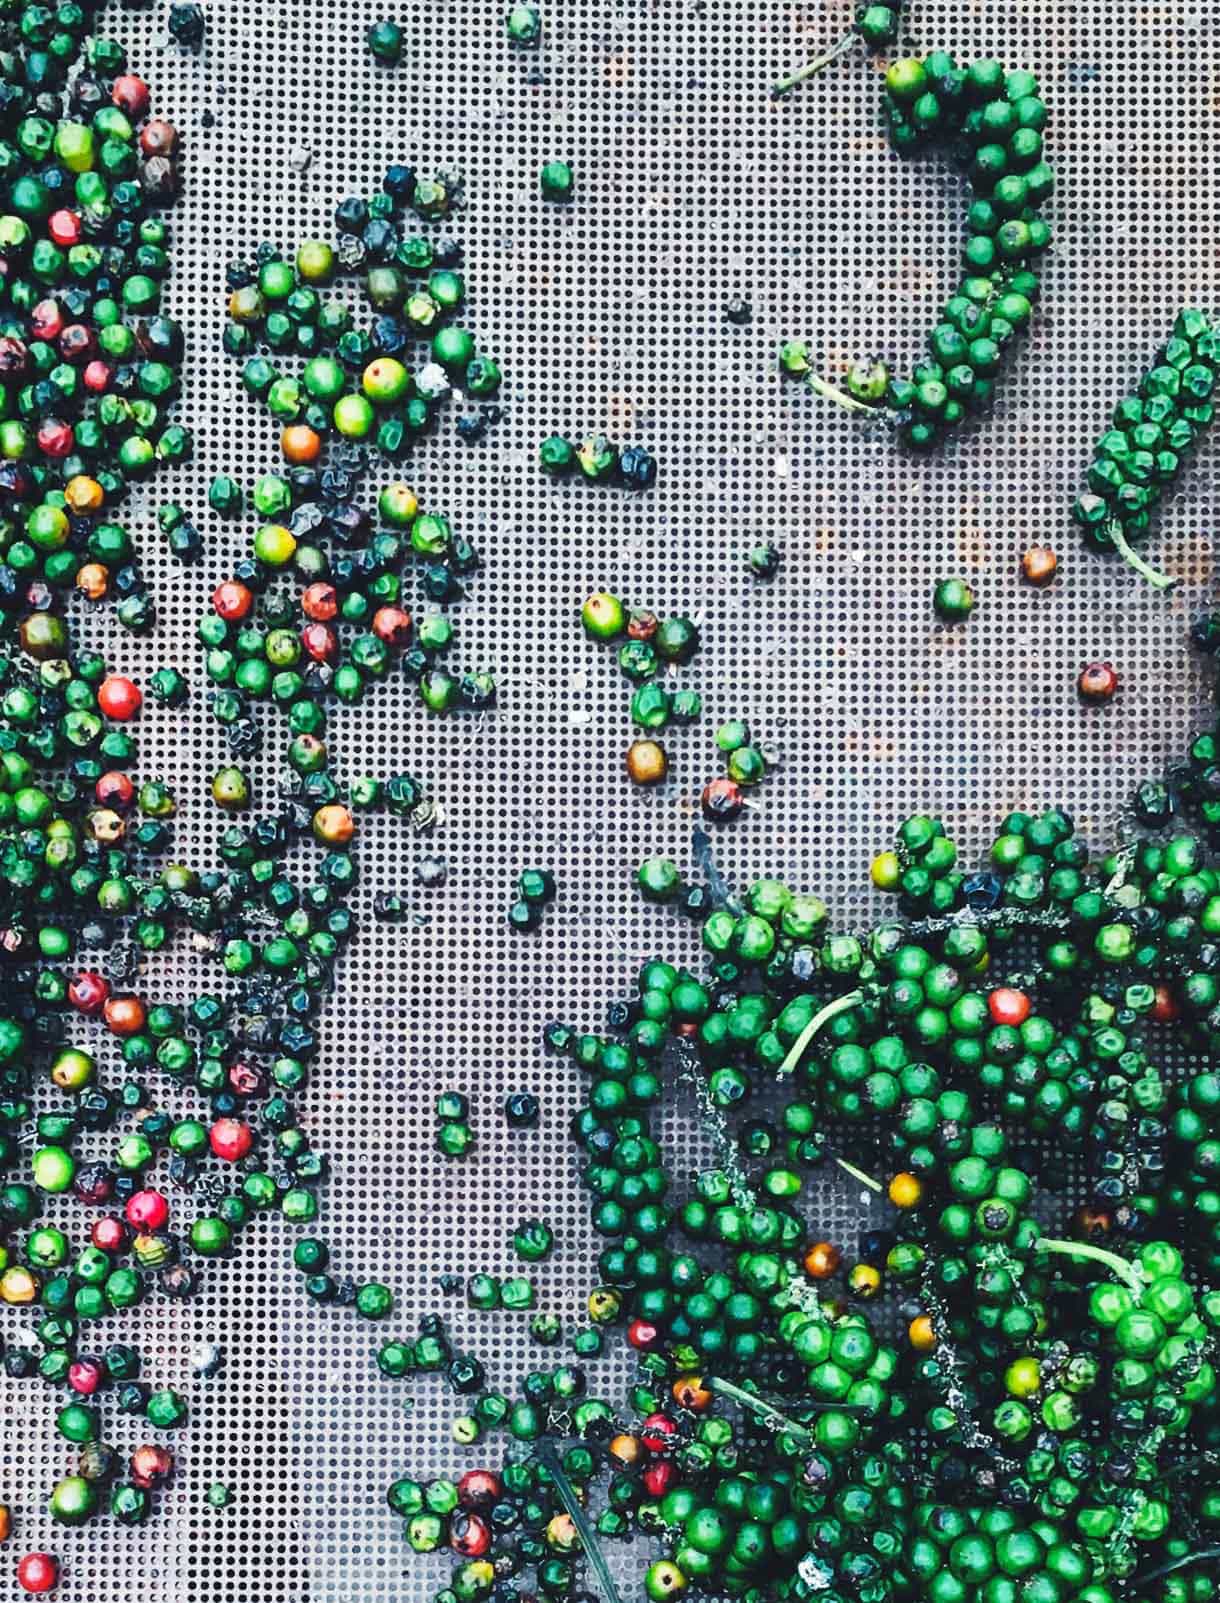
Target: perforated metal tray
x=693 y=188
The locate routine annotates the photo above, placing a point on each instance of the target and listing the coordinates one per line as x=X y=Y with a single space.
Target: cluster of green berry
x=599 y=461
x=1151 y=431
x=652 y=646
x=745 y=766
x=995 y=120
x=353 y=383
x=535 y=889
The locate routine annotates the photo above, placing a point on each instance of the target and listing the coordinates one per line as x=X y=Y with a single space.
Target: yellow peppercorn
x=864 y=1281
x=906 y=1190
x=886 y=871
x=561 y=1534
x=604 y=1305
x=18 y=1286
x=647 y=763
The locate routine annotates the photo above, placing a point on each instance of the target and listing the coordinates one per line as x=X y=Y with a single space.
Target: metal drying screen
x=693 y=188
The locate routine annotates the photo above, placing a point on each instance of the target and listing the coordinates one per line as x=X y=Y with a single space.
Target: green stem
x=1203 y=1554
x=1157 y=579
x=811 y=68
x=859 y=1174
x=747 y=1399
x=831 y=392
x=1079 y=1249
x=841 y=1004
x=549 y=1458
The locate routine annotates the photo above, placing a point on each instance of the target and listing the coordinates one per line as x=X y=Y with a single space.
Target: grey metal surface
x=692 y=187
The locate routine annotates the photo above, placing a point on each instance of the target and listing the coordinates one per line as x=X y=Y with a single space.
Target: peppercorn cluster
x=348 y=382
x=994 y=121
x=1140 y=456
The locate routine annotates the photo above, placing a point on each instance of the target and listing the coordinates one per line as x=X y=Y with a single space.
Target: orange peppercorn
x=320 y=602
x=921 y=1335
x=300 y=444
x=690 y=1393
x=6 y=1522
x=1039 y=565
x=124 y=1015
x=822 y=1260
x=93 y=580
x=84 y=494
x=625 y=1450
x=333 y=825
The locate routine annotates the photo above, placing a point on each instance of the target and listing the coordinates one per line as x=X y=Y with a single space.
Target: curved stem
x=859 y=1174
x=771 y=1414
x=549 y=1458
x=841 y=1004
x=1157 y=579
x=781 y=86
x=1203 y=1554
x=831 y=392
x=1125 y=1271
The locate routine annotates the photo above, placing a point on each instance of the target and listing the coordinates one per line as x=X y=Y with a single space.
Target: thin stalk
x=841 y=1004
x=771 y=1414
x=549 y=1458
x=811 y=69
x=831 y=392
x=1157 y=579
x=1203 y=1554
x=859 y=1174
x=1079 y=1249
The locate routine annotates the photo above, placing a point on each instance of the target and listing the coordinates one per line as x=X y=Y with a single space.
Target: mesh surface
x=692 y=188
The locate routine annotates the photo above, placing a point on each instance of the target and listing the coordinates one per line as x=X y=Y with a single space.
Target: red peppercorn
x=319 y=641
x=232 y=600
x=1097 y=682
x=150 y=1464
x=115 y=789
x=47 y=320
x=96 y=377
x=119 y=698
x=64 y=227
x=658 y=1433
x=109 y=1234
x=392 y=625
x=38 y=1572
x=245 y=1079
x=479 y=1489
x=469 y=1536
x=1008 y=1006
x=642 y=1335
x=147 y=1210
x=230 y=1139
x=55 y=437
x=130 y=94
x=320 y=602
x=77 y=344
x=14 y=357
x=642 y=625
x=722 y=799
x=1165 y=1007
x=88 y=993
x=158 y=138
x=85 y=1376
x=659 y=1477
